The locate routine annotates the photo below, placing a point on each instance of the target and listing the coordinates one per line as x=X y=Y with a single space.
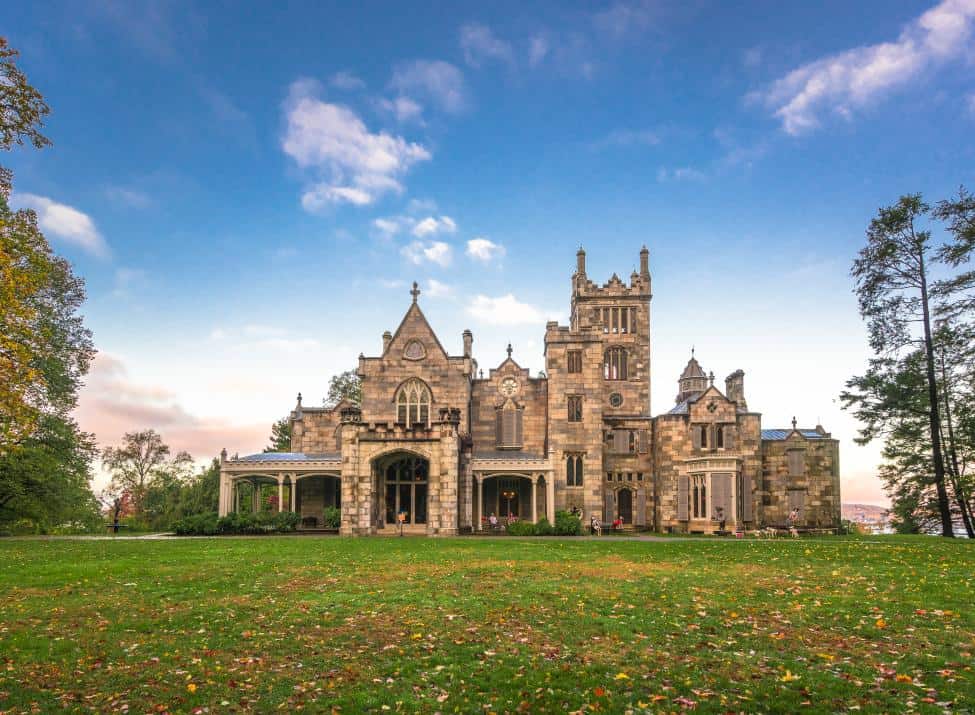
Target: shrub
x=567 y=524
x=544 y=528
x=197 y=525
x=521 y=528
x=332 y=518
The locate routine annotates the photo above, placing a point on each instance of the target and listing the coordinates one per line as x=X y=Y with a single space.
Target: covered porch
x=512 y=487
x=309 y=485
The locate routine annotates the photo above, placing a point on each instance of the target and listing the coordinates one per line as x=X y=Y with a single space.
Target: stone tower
x=692 y=382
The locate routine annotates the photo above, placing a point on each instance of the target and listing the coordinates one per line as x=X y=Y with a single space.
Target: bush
x=197 y=525
x=567 y=524
x=333 y=517
x=521 y=528
x=544 y=528
x=265 y=522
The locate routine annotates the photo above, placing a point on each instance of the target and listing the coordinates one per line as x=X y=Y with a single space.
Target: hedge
x=264 y=522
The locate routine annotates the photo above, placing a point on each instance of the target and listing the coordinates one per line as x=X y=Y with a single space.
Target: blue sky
x=249 y=194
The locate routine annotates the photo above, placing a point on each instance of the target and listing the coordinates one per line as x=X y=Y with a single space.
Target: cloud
x=403 y=109
x=627 y=138
x=431 y=226
x=504 y=310
x=387 y=226
x=683 y=173
x=356 y=165
x=538 y=49
x=418 y=206
x=847 y=81
x=440 y=82
x=420 y=252
x=481 y=45
x=346 y=80
x=481 y=249
x=111 y=404
x=394 y=283
x=625 y=18
x=436 y=289
x=129 y=197
x=65 y=222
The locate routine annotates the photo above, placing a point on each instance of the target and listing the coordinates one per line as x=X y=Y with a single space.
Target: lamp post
x=509 y=495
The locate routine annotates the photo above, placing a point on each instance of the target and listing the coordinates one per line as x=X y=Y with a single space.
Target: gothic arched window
x=614 y=364
x=413 y=403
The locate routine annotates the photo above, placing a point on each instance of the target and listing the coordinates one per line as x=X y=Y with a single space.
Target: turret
x=645 y=262
x=581 y=262
x=693 y=381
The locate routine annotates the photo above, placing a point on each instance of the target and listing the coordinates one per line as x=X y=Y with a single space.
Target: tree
x=22 y=108
x=280 y=436
x=901 y=397
x=140 y=460
x=345 y=386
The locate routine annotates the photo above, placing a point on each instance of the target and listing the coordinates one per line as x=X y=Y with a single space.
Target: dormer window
x=413 y=404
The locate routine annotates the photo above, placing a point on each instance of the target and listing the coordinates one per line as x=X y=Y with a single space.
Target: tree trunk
x=934 y=412
x=956 y=487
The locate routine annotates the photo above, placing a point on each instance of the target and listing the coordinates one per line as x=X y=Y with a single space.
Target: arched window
x=508 y=426
x=413 y=403
x=614 y=364
x=573 y=470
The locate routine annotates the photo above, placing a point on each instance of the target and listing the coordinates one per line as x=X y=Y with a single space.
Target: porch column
x=255 y=497
x=534 y=479
x=280 y=492
x=550 y=497
x=294 y=492
x=479 y=482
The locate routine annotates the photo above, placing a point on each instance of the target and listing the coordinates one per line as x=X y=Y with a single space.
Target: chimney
x=387 y=339
x=735 y=388
x=581 y=261
x=644 y=262
x=468 y=342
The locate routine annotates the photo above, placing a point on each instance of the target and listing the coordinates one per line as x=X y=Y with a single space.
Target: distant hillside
x=864 y=512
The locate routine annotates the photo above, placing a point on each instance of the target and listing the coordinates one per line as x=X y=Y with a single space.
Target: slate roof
x=780 y=434
x=693 y=369
x=290 y=457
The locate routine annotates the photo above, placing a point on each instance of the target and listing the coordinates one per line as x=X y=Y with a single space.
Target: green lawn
x=487 y=625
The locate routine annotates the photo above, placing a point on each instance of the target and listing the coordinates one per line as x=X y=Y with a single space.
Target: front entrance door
x=407 y=484
x=624 y=501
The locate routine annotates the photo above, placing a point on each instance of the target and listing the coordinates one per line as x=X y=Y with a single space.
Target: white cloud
x=480 y=45
x=481 y=249
x=403 y=108
x=64 y=222
x=538 y=49
x=346 y=80
x=682 y=173
x=387 y=226
x=504 y=310
x=356 y=165
x=129 y=197
x=626 y=17
x=431 y=226
x=420 y=252
x=418 y=206
x=850 y=80
x=436 y=289
x=437 y=80
x=628 y=138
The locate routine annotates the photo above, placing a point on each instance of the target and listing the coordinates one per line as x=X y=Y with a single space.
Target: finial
x=299 y=399
x=692 y=352
x=793 y=422
x=509 y=350
x=481 y=371
x=415 y=292
x=711 y=377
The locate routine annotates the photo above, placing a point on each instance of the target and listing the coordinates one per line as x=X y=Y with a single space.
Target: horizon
x=253 y=221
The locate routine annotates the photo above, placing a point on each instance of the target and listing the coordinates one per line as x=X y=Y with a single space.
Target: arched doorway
x=624 y=505
x=405 y=489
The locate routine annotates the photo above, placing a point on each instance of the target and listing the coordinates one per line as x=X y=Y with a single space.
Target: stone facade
x=437 y=446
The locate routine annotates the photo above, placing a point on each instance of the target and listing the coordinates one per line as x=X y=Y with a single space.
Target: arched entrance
x=624 y=505
x=405 y=488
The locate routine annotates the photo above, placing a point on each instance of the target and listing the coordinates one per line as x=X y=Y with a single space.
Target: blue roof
x=780 y=434
x=289 y=457
x=681 y=409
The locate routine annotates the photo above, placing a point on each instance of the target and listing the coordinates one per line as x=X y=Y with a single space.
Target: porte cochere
x=438 y=446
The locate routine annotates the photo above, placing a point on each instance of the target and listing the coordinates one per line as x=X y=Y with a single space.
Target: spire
x=415 y=292
x=793 y=422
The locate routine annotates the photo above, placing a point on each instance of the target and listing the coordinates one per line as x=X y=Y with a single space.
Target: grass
x=487 y=625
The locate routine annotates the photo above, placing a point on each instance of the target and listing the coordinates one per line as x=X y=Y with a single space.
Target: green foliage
x=22 y=108
x=332 y=518
x=263 y=522
x=198 y=525
x=44 y=483
x=174 y=494
x=567 y=524
x=520 y=528
x=280 y=436
x=544 y=528
x=345 y=386
x=142 y=461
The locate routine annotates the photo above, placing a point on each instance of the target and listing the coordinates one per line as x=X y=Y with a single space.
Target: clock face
x=509 y=386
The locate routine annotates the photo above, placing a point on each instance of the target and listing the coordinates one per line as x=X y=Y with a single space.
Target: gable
x=724 y=410
x=414 y=339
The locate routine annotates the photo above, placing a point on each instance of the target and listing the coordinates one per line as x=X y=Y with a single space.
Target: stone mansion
x=441 y=445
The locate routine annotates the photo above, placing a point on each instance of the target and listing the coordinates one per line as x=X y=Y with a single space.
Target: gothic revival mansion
x=442 y=445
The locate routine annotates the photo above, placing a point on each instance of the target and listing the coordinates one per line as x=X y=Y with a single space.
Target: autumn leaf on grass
x=599 y=691
x=789 y=677
x=901 y=678
x=880 y=623
x=621 y=676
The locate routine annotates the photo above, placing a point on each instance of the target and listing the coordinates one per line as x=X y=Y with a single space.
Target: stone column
x=280 y=492
x=294 y=492
x=255 y=497
x=550 y=496
x=534 y=479
x=480 y=501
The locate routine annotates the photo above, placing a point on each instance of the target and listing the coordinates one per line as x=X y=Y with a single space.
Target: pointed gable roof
x=414 y=323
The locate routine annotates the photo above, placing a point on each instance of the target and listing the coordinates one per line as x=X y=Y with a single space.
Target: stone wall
x=531 y=396
x=816 y=492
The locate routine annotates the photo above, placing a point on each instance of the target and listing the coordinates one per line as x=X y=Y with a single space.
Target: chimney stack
x=387 y=339
x=468 y=342
x=645 y=262
x=581 y=262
